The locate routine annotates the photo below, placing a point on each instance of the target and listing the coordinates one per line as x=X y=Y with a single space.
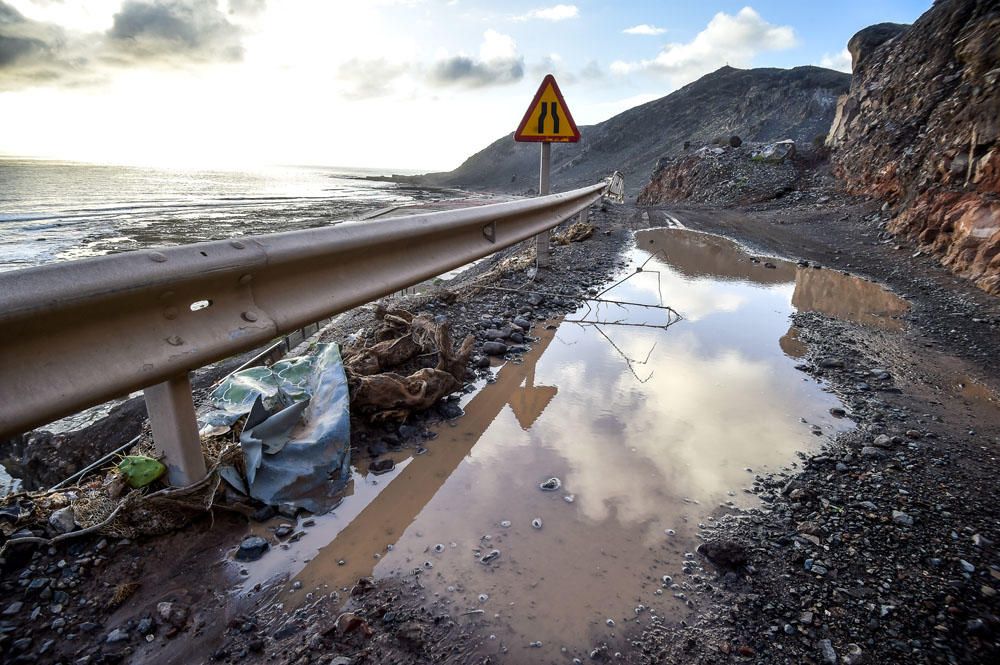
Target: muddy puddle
x=653 y=432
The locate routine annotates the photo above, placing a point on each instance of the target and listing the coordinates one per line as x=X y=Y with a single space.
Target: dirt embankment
x=920 y=130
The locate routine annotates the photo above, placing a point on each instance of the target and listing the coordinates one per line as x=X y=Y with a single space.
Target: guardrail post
x=542 y=239
x=175 y=429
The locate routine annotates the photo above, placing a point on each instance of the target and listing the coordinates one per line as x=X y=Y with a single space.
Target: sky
x=406 y=84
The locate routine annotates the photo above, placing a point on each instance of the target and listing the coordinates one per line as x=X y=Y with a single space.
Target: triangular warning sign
x=548 y=118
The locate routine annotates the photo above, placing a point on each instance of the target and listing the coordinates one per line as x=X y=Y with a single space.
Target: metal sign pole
x=542 y=239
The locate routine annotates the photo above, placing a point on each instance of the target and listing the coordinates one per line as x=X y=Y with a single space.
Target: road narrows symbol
x=548 y=103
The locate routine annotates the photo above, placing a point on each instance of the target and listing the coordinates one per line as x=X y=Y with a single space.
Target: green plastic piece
x=140 y=470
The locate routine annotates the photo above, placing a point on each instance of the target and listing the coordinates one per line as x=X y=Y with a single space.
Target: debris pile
x=577 y=232
x=380 y=395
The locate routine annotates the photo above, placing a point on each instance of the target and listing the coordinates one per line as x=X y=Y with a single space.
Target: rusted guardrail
x=79 y=333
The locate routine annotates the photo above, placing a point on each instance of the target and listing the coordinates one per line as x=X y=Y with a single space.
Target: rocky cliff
x=920 y=128
x=755 y=104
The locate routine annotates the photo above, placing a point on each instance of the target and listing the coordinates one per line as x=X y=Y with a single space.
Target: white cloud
x=644 y=29
x=727 y=40
x=839 y=61
x=497 y=46
x=554 y=13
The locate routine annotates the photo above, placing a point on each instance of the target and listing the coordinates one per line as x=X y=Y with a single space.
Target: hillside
x=755 y=104
x=920 y=129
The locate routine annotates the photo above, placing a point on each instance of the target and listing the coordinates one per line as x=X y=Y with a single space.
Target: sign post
x=546 y=121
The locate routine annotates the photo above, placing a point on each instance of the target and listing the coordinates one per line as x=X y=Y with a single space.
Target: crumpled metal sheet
x=296 y=440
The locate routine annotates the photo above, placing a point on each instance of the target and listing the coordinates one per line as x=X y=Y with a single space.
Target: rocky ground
x=878 y=549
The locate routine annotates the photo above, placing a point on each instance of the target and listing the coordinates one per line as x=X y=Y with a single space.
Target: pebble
x=62 y=520
x=550 y=485
x=537 y=523
x=901 y=518
x=826 y=652
x=853 y=656
x=252 y=548
x=494 y=348
x=116 y=635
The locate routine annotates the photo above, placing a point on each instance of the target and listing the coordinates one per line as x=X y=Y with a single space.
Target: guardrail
x=83 y=332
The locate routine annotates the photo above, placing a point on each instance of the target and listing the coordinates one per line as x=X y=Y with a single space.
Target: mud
x=728 y=388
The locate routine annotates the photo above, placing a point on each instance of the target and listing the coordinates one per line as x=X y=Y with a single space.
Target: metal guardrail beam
x=79 y=333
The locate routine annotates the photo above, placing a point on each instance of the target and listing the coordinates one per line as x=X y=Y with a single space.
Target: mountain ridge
x=761 y=104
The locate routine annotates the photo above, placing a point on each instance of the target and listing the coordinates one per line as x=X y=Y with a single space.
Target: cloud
x=163 y=33
x=644 y=29
x=839 y=61
x=247 y=7
x=554 y=13
x=370 y=78
x=171 y=29
x=30 y=51
x=727 y=39
x=498 y=63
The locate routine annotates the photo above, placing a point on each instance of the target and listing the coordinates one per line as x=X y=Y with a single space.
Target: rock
x=775 y=153
x=117 y=635
x=831 y=363
x=62 y=520
x=724 y=553
x=342 y=660
x=837 y=412
x=853 y=656
x=252 y=548
x=348 y=622
x=882 y=441
x=145 y=626
x=550 y=485
x=872 y=452
x=864 y=42
x=826 y=653
x=494 y=348
x=36 y=585
x=901 y=518
x=264 y=513
x=173 y=614
x=380 y=466
x=494 y=334
x=522 y=323
x=535 y=299
x=450 y=410
x=289 y=510
x=13 y=608
x=284 y=530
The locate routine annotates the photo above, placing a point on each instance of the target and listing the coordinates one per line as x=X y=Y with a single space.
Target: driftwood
x=382 y=395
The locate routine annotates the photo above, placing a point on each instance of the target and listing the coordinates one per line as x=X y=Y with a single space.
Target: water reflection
x=639 y=452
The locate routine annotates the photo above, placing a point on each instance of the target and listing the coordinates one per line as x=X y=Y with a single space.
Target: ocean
x=57 y=211
x=54 y=211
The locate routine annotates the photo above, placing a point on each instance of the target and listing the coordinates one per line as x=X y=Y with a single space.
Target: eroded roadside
x=880 y=548
x=775 y=610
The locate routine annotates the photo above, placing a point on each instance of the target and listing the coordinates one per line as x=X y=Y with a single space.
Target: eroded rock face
x=920 y=128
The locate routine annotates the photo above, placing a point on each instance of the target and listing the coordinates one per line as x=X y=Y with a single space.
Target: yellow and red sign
x=548 y=119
